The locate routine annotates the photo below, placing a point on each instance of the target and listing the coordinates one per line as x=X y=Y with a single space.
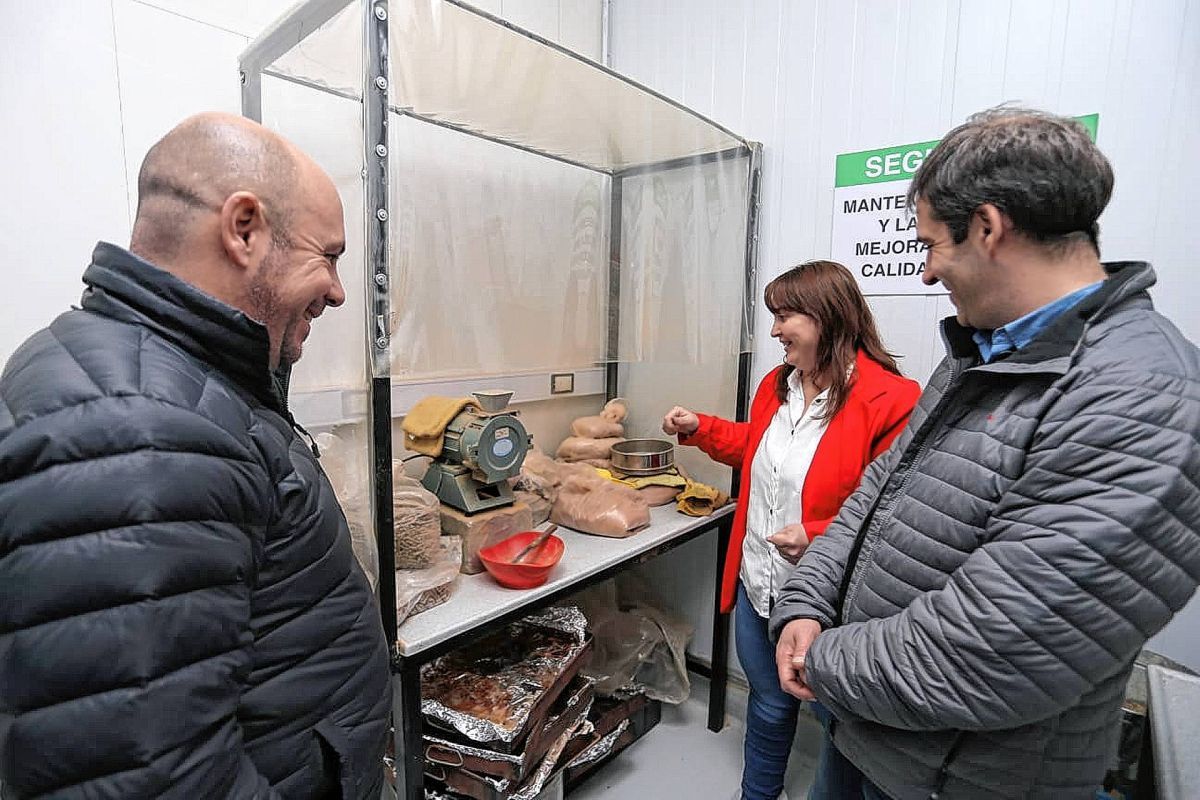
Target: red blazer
x=875 y=413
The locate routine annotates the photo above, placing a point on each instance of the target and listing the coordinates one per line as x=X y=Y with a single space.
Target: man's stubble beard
x=266 y=305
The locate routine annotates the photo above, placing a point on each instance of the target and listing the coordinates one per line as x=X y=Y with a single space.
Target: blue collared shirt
x=1021 y=331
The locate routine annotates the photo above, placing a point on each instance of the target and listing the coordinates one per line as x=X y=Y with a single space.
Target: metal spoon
x=534 y=545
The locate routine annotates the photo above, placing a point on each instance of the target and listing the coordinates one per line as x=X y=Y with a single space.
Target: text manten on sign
x=873 y=232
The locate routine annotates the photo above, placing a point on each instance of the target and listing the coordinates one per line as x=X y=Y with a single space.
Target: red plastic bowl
x=533 y=570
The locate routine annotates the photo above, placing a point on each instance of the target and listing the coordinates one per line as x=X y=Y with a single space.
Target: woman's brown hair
x=827 y=292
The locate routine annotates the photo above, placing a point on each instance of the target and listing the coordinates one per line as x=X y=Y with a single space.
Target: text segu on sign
x=874 y=234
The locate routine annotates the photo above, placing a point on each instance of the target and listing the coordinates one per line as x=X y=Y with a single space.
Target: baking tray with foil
x=570 y=709
x=495 y=689
x=484 y=787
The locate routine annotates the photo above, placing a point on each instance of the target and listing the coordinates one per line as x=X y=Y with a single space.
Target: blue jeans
x=770 y=712
x=836 y=777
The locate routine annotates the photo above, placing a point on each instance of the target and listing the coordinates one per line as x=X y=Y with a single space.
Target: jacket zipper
x=312 y=442
x=944 y=770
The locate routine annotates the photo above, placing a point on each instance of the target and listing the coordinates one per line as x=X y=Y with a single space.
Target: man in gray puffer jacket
x=972 y=616
x=181 y=614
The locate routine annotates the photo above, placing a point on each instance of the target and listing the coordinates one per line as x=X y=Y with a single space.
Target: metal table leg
x=720 y=637
x=406 y=717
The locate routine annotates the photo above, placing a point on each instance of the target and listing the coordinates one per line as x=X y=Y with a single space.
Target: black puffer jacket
x=181 y=614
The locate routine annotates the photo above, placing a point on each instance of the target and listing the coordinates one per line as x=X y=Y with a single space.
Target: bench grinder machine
x=483 y=447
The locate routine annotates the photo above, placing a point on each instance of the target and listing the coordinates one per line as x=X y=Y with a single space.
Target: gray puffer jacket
x=181 y=614
x=987 y=588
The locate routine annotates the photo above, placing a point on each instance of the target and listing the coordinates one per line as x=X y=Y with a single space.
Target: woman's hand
x=791 y=542
x=680 y=420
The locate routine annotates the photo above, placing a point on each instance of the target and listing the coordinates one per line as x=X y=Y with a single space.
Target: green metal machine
x=484 y=446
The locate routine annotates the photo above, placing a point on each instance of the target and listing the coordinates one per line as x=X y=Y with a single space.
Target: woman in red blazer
x=816 y=422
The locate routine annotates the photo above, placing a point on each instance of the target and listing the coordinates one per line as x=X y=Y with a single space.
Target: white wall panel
x=980 y=56
x=1140 y=96
x=876 y=38
x=247 y=18
x=628 y=25
x=814 y=79
x=838 y=51
x=1095 y=39
x=762 y=90
x=579 y=27
x=1178 y=174
x=729 y=27
x=797 y=221
x=671 y=33
x=1032 y=61
x=539 y=16
x=924 y=67
x=60 y=155
x=912 y=331
x=698 y=44
x=1144 y=135
x=1178 y=292
x=169 y=68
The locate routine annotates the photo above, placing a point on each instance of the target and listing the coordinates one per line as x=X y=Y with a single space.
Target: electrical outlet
x=562 y=382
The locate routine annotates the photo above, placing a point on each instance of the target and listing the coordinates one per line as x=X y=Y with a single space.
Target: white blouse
x=777 y=476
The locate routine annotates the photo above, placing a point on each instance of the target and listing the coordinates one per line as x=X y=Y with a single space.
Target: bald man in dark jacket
x=181 y=614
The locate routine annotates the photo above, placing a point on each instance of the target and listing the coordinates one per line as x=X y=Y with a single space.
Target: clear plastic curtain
x=500 y=257
x=682 y=277
x=504 y=154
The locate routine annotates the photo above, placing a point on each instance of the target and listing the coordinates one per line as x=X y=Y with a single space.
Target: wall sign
x=874 y=235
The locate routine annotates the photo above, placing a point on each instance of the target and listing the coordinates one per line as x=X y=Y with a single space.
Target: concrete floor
x=681 y=758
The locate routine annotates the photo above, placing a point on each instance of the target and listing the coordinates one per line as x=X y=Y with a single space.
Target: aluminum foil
x=551 y=721
x=568 y=619
x=536 y=781
x=501 y=785
x=600 y=749
x=582 y=727
x=539 y=779
x=487 y=690
x=535 y=785
x=472 y=751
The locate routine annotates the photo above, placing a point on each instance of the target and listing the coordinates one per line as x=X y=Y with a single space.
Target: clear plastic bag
x=597 y=428
x=615 y=410
x=539 y=475
x=418 y=590
x=577 y=448
x=539 y=507
x=417 y=521
x=586 y=502
x=637 y=644
x=344 y=463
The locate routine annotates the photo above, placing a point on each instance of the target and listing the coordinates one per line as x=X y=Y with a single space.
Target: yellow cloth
x=671 y=479
x=425 y=425
x=700 y=500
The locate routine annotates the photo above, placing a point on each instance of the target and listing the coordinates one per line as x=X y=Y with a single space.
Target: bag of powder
x=577 y=448
x=417 y=522
x=597 y=428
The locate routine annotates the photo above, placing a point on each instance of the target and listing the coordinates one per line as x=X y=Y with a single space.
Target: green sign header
x=900 y=162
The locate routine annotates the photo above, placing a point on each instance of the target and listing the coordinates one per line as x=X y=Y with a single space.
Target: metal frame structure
x=375 y=173
x=306 y=18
